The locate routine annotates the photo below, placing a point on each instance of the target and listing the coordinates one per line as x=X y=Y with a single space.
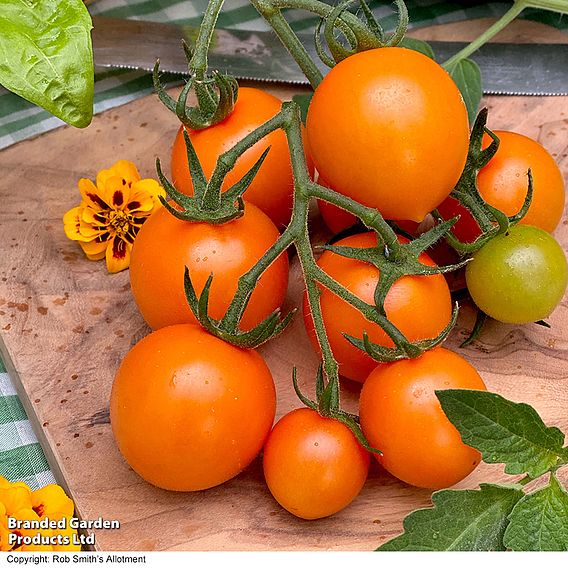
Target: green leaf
x=418 y=45
x=539 y=521
x=46 y=56
x=503 y=431
x=467 y=76
x=303 y=101
x=472 y=519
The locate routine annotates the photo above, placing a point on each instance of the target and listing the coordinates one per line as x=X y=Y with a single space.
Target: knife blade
x=513 y=69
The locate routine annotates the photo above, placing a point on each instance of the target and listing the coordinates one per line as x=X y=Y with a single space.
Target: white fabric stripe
x=31 y=131
x=45 y=478
x=38 y=480
x=186 y=11
x=101 y=86
x=14 y=116
x=16 y=434
x=6 y=386
x=102 y=6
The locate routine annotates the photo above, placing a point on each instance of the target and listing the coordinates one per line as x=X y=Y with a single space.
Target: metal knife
x=513 y=69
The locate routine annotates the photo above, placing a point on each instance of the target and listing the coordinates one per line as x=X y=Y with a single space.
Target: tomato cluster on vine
x=387 y=131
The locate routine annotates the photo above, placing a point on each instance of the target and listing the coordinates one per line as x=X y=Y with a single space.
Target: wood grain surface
x=65 y=325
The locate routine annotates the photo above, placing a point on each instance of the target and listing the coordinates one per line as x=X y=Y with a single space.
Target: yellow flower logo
x=111 y=213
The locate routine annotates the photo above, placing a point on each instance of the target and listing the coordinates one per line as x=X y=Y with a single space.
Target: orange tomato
x=388 y=127
x=189 y=411
x=503 y=181
x=272 y=188
x=313 y=465
x=401 y=416
x=335 y=218
x=166 y=245
x=420 y=306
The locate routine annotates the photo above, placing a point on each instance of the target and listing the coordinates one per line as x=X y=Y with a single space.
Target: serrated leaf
x=466 y=520
x=539 y=521
x=418 y=45
x=46 y=56
x=303 y=101
x=467 y=76
x=503 y=431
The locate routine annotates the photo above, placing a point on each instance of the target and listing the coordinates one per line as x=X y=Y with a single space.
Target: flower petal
x=122 y=169
x=92 y=195
x=141 y=203
x=95 y=250
x=72 y=223
x=150 y=187
x=15 y=497
x=118 y=193
x=118 y=255
x=5 y=546
x=51 y=501
x=91 y=217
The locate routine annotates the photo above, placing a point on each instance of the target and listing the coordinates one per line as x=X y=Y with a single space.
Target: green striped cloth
x=21 y=457
x=20 y=120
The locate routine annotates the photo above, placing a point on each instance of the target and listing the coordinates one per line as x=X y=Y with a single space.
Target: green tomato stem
x=560 y=6
x=198 y=64
x=506 y=19
x=271 y=11
x=552 y=5
x=291 y=41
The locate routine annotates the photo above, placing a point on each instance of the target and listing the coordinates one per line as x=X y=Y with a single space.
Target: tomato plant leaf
x=303 y=101
x=418 y=45
x=503 y=431
x=46 y=56
x=467 y=76
x=538 y=520
x=466 y=520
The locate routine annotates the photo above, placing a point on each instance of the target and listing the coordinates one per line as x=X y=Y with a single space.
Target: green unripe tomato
x=518 y=277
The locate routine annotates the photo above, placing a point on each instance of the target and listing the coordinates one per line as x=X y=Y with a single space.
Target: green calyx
x=272 y=326
x=216 y=95
x=491 y=221
x=327 y=404
x=368 y=35
x=357 y=34
x=393 y=261
x=208 y=203
x=392 y=258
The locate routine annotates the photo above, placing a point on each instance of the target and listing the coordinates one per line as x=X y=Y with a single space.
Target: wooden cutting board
x=65 y=325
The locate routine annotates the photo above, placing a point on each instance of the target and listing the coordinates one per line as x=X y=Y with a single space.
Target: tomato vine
x=484 y=420
x=393 y=258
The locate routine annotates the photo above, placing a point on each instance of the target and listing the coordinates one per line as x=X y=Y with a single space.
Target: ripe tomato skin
x=518 y=277
x=272 y=188
x=165 y=245
x=466 y=228
x=401 y=416
x=335 y=218
x=313 y=465
x=189 y=411
x=503 y=181
x=388 y=127
x=420 y=306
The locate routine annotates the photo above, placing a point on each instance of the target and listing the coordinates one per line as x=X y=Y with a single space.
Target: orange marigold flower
x=15 y=496
x=4 y=532
x=18 y=502
x=35 y=533
x=111 y=213
x=51 y=501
